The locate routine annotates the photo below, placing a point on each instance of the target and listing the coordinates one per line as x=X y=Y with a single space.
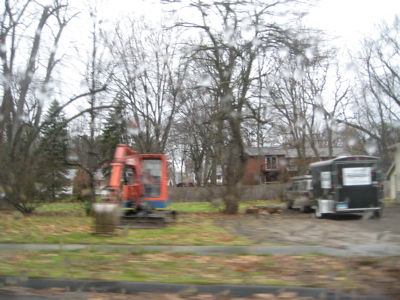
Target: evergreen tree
x=115 y=132
x=53 y=146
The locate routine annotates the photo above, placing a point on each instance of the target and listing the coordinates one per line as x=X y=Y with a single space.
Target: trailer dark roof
x=356 y=158
x=292 y=153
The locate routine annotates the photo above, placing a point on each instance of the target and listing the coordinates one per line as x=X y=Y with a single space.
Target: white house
x=394 y=173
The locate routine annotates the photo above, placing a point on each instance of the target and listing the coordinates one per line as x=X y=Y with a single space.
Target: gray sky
x=352 y=19
x=349 y=19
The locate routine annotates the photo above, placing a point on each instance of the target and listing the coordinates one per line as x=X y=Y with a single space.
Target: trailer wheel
x=318 y=213
x=377 y=214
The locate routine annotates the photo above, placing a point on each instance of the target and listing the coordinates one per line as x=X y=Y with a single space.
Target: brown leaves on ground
x=185 y=295
x=264 y=210
x=51 y=224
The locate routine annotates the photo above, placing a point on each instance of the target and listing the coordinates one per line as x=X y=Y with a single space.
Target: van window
x=302 y=186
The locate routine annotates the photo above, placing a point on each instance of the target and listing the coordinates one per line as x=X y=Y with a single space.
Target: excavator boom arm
x=124 y=158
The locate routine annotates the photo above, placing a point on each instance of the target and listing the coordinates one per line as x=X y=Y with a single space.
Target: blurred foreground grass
x=367 y=275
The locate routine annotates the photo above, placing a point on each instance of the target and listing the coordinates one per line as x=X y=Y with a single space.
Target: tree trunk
x=236 y=164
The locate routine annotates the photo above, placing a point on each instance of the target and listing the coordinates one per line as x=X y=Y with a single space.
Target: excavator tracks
x=155 y=219
x=109 y=217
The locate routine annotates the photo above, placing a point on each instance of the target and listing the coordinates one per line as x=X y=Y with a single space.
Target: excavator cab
x=155 y=179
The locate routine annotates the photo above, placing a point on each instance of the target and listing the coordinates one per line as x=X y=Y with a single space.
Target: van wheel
x=289 y=204
x=318 y=213
x=304 y=208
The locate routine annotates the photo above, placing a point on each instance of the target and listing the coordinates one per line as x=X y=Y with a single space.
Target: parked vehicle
x=299 y=194
x=350 y=184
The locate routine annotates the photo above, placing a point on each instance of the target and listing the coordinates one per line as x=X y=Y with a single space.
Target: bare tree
x=196 y=133
x=333 y=106
x=28 y=54
x=87 y=146
x=377 y=100
x=295 y=90
x=149 y=77
x=233 y=34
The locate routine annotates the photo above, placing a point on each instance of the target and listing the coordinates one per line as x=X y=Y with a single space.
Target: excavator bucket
x=106 y=217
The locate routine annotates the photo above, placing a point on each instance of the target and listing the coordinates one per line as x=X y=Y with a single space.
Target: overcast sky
x=349 y=19
x=352 y=19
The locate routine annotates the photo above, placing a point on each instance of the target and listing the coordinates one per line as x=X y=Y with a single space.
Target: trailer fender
x=323 y=207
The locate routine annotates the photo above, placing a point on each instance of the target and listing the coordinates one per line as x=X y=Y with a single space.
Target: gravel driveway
x=292 y=227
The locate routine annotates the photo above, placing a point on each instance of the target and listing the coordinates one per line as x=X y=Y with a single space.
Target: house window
x=271 y=162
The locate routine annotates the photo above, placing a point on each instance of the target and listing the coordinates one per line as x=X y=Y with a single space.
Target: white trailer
x=350 y=184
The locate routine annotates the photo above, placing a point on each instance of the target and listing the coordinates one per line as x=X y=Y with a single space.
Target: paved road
x=348 y=250
x=129 y=288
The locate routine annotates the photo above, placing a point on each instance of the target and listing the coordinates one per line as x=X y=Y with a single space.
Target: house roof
x=292 y=153
x=263 y=151
x=394 y=147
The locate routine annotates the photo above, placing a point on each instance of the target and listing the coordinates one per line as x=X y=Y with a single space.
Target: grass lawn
x=66 y=223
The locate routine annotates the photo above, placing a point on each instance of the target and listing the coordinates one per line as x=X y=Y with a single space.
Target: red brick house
x=277 y=164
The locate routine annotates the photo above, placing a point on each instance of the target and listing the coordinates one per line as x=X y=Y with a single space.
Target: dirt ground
x=291 y=227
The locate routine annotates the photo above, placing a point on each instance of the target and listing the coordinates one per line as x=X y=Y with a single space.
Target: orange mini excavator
x=138 y=187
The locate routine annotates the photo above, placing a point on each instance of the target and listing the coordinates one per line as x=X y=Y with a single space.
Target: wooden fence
x=212 y=193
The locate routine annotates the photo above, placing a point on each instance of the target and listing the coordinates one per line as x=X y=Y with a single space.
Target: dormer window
x=271 y=162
